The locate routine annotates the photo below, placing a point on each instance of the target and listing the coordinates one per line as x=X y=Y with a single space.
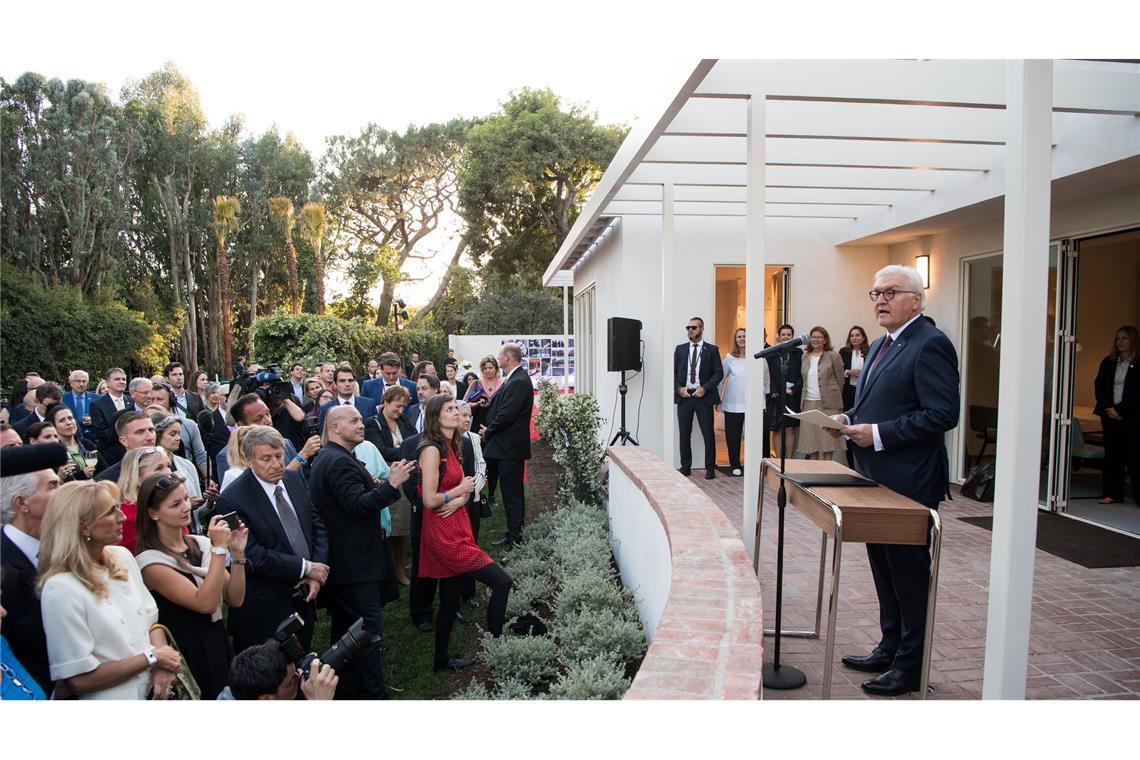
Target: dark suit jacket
x=23 y=627
x=377 y=433
x=1129 y=406
x=508 y=419
x=32 y=418
x=709 y=376
x=364 y=404
x=374 y=389
x=103 y=414
x=792 y=373
x=273 y=568
x=349 y=504
x=72 y=402
x=913 y=396
x=193 y=405
x=848 y=388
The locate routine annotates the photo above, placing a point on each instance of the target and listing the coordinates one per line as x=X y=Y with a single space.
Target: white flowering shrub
x=593 y=678
x=525 y=659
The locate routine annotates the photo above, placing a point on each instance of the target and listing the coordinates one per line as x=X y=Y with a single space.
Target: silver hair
x=137 y=383
x=211 y=387
x=514 y=349
x=909 y=274
x=76 y=373
x=13 y=486
x=260 y=435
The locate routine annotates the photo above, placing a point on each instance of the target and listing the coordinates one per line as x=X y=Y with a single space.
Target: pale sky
x=329 y=67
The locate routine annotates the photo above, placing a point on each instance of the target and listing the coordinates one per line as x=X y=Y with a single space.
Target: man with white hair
x=23 y=501
x=80 y=400
x=905 y=402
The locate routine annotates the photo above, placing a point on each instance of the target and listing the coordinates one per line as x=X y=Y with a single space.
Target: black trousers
x=1121 y=451
x=450 y=590
x=686 y=408
x=363 y=676
x=243 y=639
x=733 y=431
x=514 y=498
x=902 y=582
x=492 y=480
x=421 y=594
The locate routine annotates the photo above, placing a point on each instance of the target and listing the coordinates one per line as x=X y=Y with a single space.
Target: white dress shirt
x=697 y=368
x=29 y=545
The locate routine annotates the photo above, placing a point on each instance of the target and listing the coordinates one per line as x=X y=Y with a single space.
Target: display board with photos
x=546 y=356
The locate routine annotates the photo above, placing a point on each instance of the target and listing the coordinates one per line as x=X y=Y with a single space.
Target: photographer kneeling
x=264 y=671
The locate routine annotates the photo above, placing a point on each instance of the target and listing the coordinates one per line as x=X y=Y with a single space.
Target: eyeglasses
x=888 y=294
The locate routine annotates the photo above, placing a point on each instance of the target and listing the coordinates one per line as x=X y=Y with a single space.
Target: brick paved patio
x=1084 y=635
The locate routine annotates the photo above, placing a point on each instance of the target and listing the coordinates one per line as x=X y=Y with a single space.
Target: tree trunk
x=384 y=311
x=442 y=289
x=252 y=308
x=319 y=276
x=226 y=323
x=294 y=287
x=170 y=212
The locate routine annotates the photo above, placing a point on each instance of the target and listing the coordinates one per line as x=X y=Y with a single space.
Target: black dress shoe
x=500 y=541
x=424 y=627
x=453 y=663
x=685 y=471
x=876 y=662
x=892 y=683
x=710 y=473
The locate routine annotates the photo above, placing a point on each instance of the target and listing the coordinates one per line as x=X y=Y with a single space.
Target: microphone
x=780 y=348
x=20 y=460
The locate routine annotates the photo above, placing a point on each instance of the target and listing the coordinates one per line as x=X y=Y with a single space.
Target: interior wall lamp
x=922 y=264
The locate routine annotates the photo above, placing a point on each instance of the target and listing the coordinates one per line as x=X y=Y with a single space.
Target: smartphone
x=233 y=520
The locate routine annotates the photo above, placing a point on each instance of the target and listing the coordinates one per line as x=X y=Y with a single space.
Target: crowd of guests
x=189 y=519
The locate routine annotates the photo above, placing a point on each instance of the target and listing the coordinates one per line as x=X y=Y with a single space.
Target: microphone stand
x=775 y=675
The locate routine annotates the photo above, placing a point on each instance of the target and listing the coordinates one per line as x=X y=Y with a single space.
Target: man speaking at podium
x=904 y=403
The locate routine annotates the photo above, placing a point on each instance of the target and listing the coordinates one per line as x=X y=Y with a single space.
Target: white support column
x=565 y=337
x=1024 y=294
x=668 y=323
x=754 y=316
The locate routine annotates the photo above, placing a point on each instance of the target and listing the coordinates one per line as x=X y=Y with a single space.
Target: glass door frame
x=1060 y=416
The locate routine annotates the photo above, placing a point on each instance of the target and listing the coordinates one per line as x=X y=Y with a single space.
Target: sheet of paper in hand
x=815 y=417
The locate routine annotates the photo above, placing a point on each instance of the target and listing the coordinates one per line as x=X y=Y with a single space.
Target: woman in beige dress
x=823 y=390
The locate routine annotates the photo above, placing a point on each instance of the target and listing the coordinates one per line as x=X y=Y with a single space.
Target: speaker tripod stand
x=623 y=435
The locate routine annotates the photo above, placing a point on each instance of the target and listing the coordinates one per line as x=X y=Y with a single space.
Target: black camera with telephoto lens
x=266 y=382
x=355 y=642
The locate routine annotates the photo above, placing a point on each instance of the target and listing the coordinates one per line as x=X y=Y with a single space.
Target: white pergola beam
x=697 y=208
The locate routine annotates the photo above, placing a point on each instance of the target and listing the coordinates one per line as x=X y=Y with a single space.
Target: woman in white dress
x=98 y=616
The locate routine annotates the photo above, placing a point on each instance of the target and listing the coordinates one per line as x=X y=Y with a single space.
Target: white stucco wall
x=641 y=549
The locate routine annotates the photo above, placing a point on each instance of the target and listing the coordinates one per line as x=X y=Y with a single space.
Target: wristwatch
x=221 y=551
x=151 y=660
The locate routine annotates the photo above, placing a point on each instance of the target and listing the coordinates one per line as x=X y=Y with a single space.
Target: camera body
x=353 y=643
x=267 y=382
x=310 y=427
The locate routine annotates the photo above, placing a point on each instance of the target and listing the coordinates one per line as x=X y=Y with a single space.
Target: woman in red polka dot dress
x=447 y=547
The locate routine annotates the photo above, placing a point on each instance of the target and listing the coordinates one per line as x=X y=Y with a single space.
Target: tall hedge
x=308 y=338
x=54 y=330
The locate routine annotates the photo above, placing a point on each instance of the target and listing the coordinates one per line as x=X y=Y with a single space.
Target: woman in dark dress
x=187 y=576
x=853 y=354
x=447 y=545
x=1118 y=404
x=787 y=365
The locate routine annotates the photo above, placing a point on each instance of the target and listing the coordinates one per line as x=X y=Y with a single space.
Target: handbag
x=979 y=486
x=185 y=687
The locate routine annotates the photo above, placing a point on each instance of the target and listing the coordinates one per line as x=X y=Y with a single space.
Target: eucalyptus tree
x=386 y=192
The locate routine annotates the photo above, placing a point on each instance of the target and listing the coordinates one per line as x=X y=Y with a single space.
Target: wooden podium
x=853 y=514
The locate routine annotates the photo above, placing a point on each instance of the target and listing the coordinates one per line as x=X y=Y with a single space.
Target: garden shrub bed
x=565 y=577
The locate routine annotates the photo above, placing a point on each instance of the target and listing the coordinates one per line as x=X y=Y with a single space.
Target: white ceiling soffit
x=866 y=147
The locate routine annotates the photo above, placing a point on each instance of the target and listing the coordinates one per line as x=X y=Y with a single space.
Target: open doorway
x=729 y=309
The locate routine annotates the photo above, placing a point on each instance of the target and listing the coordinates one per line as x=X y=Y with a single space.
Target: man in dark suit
x=80 y=400
x=288 y=547
x=506 y=437
x=905 y=402
x=23 y=501
x=103 y=414
x=187 y=403
x=344 y=379
x=697 y=372
x=48 y=394
x=350 y=501
x=389 y=376
x=426 y=386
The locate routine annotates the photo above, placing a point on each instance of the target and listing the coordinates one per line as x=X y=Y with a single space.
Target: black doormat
x=1078 y=542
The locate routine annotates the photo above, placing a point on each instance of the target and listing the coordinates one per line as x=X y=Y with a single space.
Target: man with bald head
x=349 y=501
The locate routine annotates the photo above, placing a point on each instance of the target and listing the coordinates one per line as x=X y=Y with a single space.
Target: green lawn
x=407 y=652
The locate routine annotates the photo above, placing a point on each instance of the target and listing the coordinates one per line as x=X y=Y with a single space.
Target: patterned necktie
x=881 y=353
x=693 y=365
x=291 y=524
